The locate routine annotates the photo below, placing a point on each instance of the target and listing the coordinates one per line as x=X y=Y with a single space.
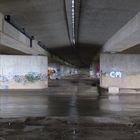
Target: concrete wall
x=120 y=70
x=23 y=72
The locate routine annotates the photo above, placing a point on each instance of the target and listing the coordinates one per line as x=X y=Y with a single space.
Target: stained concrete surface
x=125 y=72
x=49 y=114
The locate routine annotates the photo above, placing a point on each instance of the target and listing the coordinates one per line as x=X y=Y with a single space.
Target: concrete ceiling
x=50 y=22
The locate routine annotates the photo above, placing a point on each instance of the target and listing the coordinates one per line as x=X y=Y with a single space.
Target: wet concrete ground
x=70 y=109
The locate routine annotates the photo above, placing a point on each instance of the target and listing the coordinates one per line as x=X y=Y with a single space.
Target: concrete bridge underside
x=96 y=21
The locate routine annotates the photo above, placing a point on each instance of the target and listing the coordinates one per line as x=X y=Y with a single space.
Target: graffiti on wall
x=27 y=78
x=115 y=74
x=33 y=76
x=119 y=74
x=3 y=78
x=18 y=78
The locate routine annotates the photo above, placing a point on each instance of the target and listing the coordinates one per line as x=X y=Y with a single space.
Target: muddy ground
x=63 y=129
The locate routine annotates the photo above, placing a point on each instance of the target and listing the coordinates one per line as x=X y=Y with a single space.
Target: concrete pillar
x=120 y=71
x=23 y=72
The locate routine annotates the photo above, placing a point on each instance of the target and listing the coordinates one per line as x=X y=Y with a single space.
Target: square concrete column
x=23 y=72
x=120 y=71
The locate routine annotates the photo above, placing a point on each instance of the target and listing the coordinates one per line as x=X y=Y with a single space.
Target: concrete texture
x=44 y=19
x=101 y=19
x=113 y=90
x=1 y=21
x=120 y=70
x=126 y=37
x=15 y=34
x=11 y=38
x=23 y=72
x=50 y=22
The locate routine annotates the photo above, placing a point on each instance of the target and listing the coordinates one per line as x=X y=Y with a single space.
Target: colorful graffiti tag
x=32 y=76
x=3 y=78
x=29 y=77
x=115 y=74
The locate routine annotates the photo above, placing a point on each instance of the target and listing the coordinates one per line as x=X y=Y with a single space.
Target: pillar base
x=113 y=90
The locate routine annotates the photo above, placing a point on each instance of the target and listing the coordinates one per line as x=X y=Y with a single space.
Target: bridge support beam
x=127 y=37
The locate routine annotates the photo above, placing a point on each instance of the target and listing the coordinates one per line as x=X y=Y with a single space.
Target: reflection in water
x=73 y=112
x=120 y=103
x=24 y=105
x=116 y=105
x=112 y=103
x=13 y=105
x=73 y=116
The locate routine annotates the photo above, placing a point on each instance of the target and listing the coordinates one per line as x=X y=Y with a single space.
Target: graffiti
x=3 y=78
x=43 y=77
x=18 y=78
x=104 y=73
x=115 y=74
x=5 y=87
x=29 y=77
x=33 y=76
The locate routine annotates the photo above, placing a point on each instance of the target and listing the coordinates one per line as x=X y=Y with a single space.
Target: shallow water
x=73 y=97
x=29 y=104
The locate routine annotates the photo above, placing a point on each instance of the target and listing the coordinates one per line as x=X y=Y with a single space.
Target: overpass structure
x=23 y=62
x=73 y=34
